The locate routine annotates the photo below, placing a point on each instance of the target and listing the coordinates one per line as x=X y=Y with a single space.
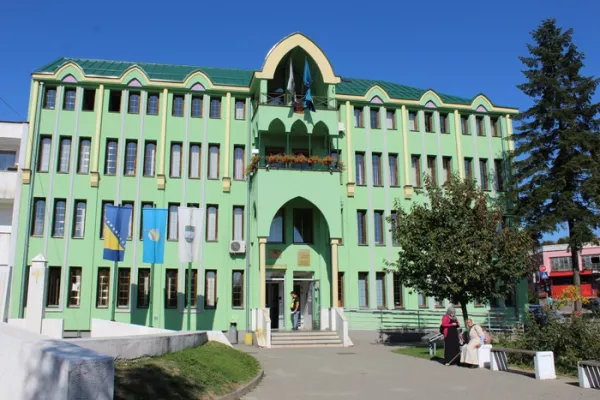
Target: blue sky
x=460 y=47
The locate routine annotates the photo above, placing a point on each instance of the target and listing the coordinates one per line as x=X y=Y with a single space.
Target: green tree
x=456 y=246
x=557 y=178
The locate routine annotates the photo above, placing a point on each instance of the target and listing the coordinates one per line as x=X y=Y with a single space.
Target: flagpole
x=189 y=297
x=114 y=294
x=150 y=294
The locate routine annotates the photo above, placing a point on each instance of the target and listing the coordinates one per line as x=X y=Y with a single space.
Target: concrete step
x=299 y=346
x=302 y=333
x=306 y=341
x=305 y=337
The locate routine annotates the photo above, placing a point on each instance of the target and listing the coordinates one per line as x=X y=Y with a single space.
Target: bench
x=432 y=340
x=543 y=361
x=589 y=374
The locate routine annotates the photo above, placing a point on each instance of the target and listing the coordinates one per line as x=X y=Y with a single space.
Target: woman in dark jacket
x=449 y=328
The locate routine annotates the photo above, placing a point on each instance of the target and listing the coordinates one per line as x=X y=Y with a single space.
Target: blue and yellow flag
x=116 y=229
x=155 y=228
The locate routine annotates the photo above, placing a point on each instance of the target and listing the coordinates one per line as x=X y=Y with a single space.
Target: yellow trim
x=279 y=51
x=370 y=93
x=403 y=132
x=349 y=144
x=99 y=110
x=438 y=99
x=262 y=255
x=32 y=120
x=509 y=129
x=227 y=132
x=458 y=133
x=163 y=133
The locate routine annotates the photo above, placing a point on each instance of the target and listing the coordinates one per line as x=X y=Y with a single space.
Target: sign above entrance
x=304 y=258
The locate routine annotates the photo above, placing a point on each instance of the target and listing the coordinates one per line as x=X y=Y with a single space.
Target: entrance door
x=316 y=305
x=275 y=303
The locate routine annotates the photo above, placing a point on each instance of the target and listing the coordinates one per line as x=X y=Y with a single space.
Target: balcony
x=269 y=107
x=9 y=184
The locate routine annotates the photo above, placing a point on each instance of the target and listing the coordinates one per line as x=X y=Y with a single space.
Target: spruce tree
x=557 y=161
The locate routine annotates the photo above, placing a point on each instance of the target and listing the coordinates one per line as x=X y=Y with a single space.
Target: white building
x=13 y=138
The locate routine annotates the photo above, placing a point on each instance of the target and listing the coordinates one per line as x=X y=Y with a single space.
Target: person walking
x=449 y=328
x=469 y=354
x=295 y=308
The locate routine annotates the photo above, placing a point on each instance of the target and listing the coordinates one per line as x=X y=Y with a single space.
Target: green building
x=293 y=199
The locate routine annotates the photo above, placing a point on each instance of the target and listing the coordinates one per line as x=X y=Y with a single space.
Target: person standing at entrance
x=295 y=310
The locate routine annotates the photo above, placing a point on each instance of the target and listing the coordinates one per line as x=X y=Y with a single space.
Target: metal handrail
x=288 y=100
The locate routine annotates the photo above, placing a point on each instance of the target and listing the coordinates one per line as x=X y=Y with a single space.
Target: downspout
x=248 y=216
x=27 y=229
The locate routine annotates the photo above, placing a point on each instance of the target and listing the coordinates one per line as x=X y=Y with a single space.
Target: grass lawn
x=203 y=372
x=419 y=352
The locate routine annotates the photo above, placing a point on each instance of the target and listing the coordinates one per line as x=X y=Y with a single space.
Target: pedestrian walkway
x=372 y=371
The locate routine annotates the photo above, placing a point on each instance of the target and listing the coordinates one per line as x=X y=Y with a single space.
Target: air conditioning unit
x=237 y=247
x=341 y=127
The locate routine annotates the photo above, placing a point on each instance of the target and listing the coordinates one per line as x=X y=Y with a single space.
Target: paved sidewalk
x=370 y=371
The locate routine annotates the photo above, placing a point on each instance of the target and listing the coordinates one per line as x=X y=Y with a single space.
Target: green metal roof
x=232 y=77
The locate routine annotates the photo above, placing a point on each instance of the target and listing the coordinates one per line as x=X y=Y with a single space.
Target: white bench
x=589 y=374
x=542 y=360
x=484 y=355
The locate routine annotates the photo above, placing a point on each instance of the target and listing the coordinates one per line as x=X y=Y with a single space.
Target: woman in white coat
x=469 y=351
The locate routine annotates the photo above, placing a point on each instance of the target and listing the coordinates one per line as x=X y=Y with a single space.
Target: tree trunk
x=463 y=307
x=575 y=264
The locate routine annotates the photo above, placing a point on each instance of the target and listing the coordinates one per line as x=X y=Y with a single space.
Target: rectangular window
x=50 y=97
x=363 y=289
x=103 y=286
x=44 y=156
x=495 y=126
x=429 y=122
x=210 y=289
x=438 y=303
x=479 y=126
x=143 y=286
x=175 y=170
x=172 y=223
x=378 y=220
x=133 y=106
x=413 y=122
x=444 y=126
x=215 y=107
x=212 y=223
x=390 y=119
x=69 y=100
x=110 y=164
x=83 y=162
x=145 y=204
x=358 y=117
x=53 y=293
x=194 y=292
x=375 y=118
x=464 y=125
x=360 y=168
x=361 y=217
x=237 y=289
x=422 y=299
x=393 y=164
x=130 y=205
x=398 y=297
x=39 y=215
x=380 y=289
x=588 y=262
x=277 y=228
x=149 y=158
x=499 y=170
x=483 y=172
x=376 y=163
x=238 y=163
x=238 y=223
x=194 y=168
x=469 y=168
x=123 y=288
x=561 y=264
x=79 y=220
x=340 y=299
x=393 y=226
x=178 y=106
x=58 y=225
x=130 y=157
x=416 y=170
x=89 y=100
x=74 y=286
x=152 y=107
x=213 y=161
x=432 y=169
x=240 y=109
x=114 y=101
x=105 y=204
x=8 y=160
x=196 y=106
x=303 y=225
x=447 y=168
x=64 y=155
x=171 y=288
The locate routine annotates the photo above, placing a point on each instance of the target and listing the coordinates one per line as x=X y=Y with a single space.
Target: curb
x=244 y=390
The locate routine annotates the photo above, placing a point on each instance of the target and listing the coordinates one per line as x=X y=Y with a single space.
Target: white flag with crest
x=291 y=86
x=190 y=224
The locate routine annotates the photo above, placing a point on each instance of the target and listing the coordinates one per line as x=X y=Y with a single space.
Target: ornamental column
x=334 y=272
x=262 y=259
